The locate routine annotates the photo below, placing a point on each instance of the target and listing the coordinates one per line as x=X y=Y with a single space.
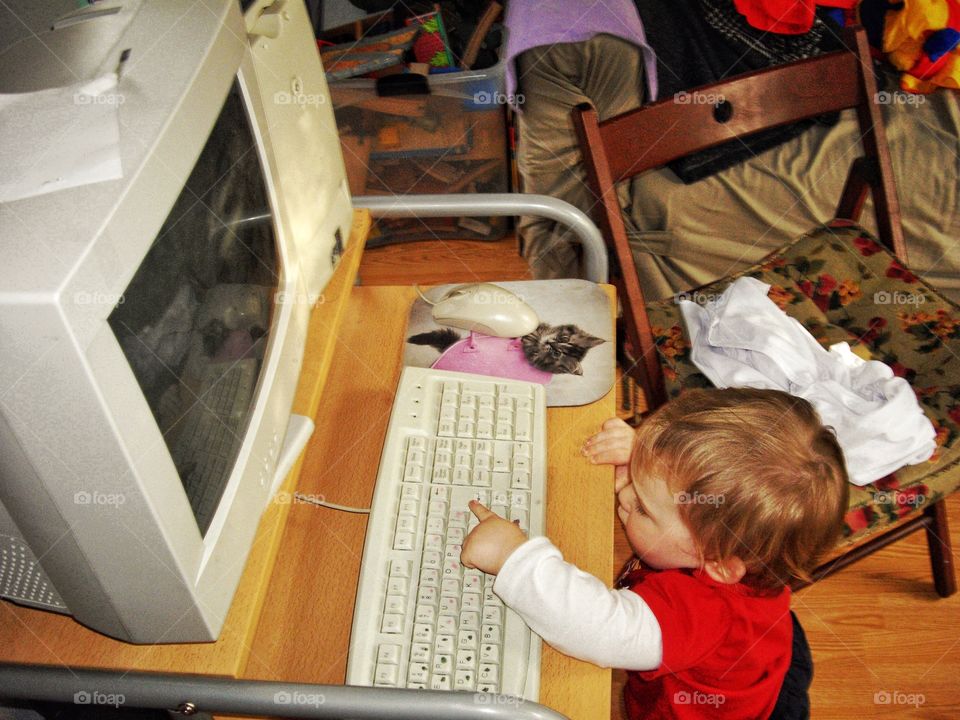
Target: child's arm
x=570 y=609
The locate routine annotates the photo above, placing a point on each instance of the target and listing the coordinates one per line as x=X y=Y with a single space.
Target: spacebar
x=516 y=654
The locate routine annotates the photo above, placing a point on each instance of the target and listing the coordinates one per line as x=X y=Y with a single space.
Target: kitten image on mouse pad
x=570 y=352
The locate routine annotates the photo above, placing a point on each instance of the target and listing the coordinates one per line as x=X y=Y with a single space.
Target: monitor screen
x=195 y=321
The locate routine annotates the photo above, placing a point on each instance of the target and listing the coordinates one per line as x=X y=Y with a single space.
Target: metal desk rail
x=498 y=204
x=197 y=695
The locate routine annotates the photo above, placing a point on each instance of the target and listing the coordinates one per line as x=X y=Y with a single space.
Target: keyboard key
x=449 y=605
x=446 y=625
x=400 y=568
x=406 y=523
x=455 y=536
x=489 y=653
x=461 y=476
x=490 y=634
x=464 y=680
x=460 y=518
x=386 y=675
x=392 y=624
x=450 y=587
x=395 y=604
x=423 y=633
x=432 y=560
x=440 y=494
x=397 y=586
x=403 y=541
x=446 y=428
x=467 y=639
x=488 y=672
x=427 y=596
x=520 y=479
x=523 y=426
x=482 y=478
x=443 y=458
x=491 y=616
x=472 y=602
x=433 y=543
x=436 y=525
x=418 y=672
x=430 y=577
x=444 y=644
x=409 y=507
x=442 y=664
x=420 y=652
x=442 y=475
x=426 y=614
x=520 y=500
x=388 y=654
x=480 y=388
x=466 y=659
x=441 y=682
x=470 y=620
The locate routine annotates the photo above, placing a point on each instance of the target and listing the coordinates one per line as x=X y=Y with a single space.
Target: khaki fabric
x=605 y=71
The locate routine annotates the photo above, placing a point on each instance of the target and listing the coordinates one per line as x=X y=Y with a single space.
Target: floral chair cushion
x=843 y=285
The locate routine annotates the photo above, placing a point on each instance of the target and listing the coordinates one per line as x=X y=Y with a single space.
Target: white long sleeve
x=576 y=613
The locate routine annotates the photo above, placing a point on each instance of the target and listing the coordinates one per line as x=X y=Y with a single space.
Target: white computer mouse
x=487 y=309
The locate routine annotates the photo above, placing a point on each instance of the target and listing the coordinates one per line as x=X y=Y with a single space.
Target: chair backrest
x=651 y=136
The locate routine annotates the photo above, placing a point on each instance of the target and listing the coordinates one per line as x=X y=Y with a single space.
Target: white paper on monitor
x=59 y=138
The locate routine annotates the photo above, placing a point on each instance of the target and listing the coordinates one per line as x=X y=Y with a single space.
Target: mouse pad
x=571 y=352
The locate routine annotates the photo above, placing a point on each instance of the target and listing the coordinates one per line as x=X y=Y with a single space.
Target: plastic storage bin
x=453 y=140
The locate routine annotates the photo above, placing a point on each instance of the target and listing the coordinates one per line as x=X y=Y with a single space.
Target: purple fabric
x=532 y=23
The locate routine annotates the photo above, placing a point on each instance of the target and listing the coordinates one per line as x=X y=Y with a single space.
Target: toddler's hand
x=612 y=445
x=490 y=543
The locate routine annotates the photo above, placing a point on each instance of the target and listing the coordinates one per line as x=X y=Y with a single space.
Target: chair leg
x=941 y=553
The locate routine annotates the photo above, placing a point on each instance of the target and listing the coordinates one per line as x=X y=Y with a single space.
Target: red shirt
x=725 y=649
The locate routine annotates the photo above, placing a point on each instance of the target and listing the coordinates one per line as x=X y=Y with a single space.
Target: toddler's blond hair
x=755 y=474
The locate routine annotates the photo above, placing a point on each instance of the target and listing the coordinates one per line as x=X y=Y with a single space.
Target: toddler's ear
x=727 y=571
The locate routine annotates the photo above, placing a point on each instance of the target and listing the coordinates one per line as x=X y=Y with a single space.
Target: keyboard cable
x=332 y=506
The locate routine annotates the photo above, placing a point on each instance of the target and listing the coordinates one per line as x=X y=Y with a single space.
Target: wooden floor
x=884 y=645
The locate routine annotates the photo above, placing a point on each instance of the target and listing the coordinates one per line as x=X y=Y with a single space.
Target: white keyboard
x=421 y=619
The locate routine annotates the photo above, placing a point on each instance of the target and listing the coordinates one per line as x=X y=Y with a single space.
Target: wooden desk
x=292 y=615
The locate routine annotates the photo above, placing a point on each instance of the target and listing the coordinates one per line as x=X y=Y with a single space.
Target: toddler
x=725 y=497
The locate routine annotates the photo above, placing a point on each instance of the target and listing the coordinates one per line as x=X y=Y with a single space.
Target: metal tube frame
x=198 y=694
x=501 y=205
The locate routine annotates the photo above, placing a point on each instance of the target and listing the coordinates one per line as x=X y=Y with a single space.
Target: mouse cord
x=423 y=297
x=332 y=506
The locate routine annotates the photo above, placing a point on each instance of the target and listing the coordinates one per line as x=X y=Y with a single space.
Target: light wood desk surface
x=307 y=558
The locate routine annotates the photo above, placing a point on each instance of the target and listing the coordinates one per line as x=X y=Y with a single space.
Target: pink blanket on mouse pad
x=571 y=353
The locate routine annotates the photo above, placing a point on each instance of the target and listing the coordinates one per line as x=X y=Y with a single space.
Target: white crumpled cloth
x=742 y=339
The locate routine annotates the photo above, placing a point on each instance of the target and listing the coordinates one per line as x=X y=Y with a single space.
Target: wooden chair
x=806 y=274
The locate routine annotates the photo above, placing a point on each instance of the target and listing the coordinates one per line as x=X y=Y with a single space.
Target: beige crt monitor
x=153 y=326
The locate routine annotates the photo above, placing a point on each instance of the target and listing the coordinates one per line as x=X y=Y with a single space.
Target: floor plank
x=884 y=645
